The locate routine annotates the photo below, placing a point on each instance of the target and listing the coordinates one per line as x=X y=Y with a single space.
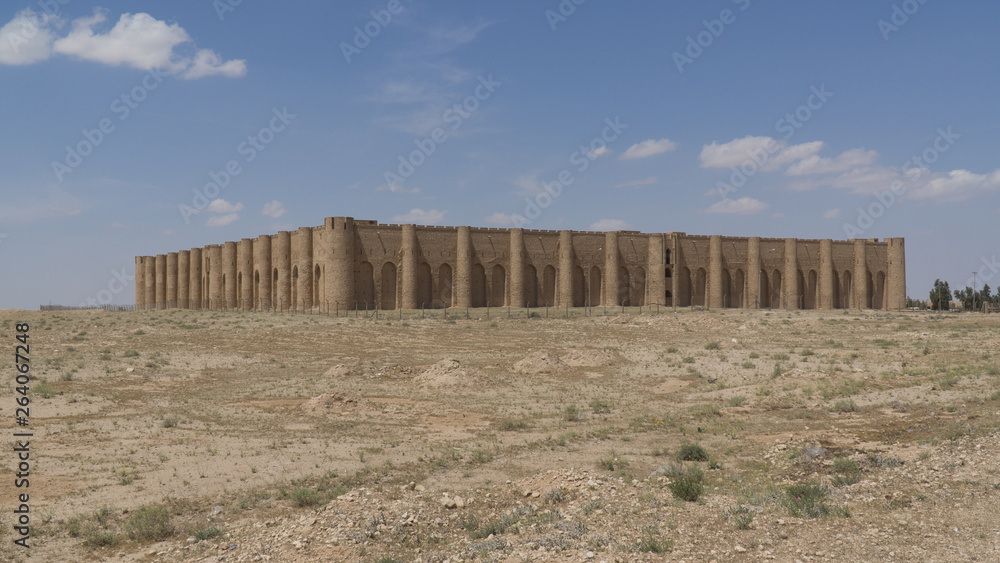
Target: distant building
x=348 y=264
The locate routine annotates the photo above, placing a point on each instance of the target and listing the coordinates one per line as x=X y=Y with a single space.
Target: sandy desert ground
x=208 y=436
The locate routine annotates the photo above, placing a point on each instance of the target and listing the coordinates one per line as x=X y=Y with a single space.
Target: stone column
x=161 y=281
x=463 y=269
x=825 y=275
x=216 y=297
x=611 y=269
x=149 y=266
x=194 y=279
x=340 y=271
x=409 y=267
x=517 y=268
x=262 y=272
x=230 y=261
x=752 y=291
x=304 y=245
x=859 y=277
x=183 y=278
x=245 y=296
x=896 y=282
x=790 y=281
x=565 y=269
x=281 y=257
x=675 y=242
x=171 y=280
x=715 y=289
x=140 y=284
x=656 y=272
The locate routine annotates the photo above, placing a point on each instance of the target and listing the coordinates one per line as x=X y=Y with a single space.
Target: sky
x=141 y=128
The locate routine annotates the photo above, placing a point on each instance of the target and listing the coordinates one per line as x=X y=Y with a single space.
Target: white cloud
x=136 y=40
x=634 y=183
x=420 y=217
x=957 y=185
x=169 y=233
x=397 y=188
x=598 y=153
x=848 y=160
x=773 y=153
x=741 y=206
x=55 y=204
x=274 y=209
x=832 y=214
x=647 y=148
x=500 y=219
x=222 y=220
x=778 y=215
x=610 y=225
x=223 y=206
x=529 y=184
x=27 y=38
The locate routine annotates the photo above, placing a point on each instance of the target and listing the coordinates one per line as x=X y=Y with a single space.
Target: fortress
x=349 y=264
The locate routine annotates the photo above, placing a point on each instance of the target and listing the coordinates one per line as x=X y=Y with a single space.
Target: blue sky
x=734 y=117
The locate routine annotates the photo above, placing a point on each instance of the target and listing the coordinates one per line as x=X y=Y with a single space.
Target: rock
x=459 y=502
x=591 y=555
x=740 y=549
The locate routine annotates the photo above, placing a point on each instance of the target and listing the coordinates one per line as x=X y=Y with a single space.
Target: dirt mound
x=333 y=402
x=339 y=370
x=591 y=358
x=541 y=361
x=444 y=373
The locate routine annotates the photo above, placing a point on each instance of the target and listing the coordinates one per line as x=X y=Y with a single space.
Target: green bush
x=845 y=405
x=809 y=501
x=304 y=496
x=692 y=452
x=689 y=485
x=150 y=522
x=509 y=425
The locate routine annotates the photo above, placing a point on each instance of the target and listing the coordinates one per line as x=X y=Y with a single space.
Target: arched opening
x=365 y=294
x=738 y=289
x=837 y=304
x=594 y=292
x=800 y=299
x=444 y=285
x=667 y=273
x=295 y=288
x=700 y=288
x=239 y=290
x=318 y=292
x=776 y=300
x=224 y=298
x=639 y=288
x=727 y=289
x=274 y=290
x=388 y=286
x=764 y=291
x=624 y=297
x=425 y=286
x=812 y=289
x=498 y=295
x=871 y=292
x=256 y=289
x=847 y=294
x=668 y=297
x=667 y=261
x=878 y=301
x=530 y=287
x=478 y=286
x=579 y=287
x=684 y=288
x=548 y=287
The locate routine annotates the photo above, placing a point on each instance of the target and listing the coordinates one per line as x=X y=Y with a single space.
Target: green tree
x=940 y=296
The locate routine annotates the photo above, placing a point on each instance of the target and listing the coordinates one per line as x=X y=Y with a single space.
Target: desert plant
x=692 y=452
x=689 y=485
x=150 y=522
x=845 y=405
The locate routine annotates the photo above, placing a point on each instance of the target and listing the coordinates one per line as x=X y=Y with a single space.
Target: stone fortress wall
x=349 y=264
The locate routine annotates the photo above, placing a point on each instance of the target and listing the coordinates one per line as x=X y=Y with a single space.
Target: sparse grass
x=599 y=406
x=845 y=405
x=509 y=425
x=712 y=346
x=737 y=400
x=149 y=523
x=572 y=413
x=689 y=485
x=692 y=452
x=810 y=501
x=131 y=353
x=305 y=496
x=741 y=515
x=848 y=472
x=44 y=389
